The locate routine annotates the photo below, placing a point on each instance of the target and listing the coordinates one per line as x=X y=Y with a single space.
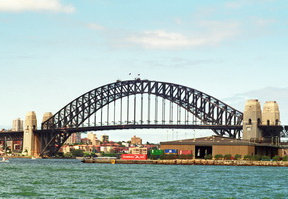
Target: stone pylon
x=271 y=114
x=46 y=116
x=251 y=119
x=29 y=138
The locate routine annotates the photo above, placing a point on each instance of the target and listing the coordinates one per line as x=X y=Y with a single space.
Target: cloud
x=177 y=62
x=264 y=22
x=34 y=5
x=162 y=39
x=95 y=26
x=206 y=33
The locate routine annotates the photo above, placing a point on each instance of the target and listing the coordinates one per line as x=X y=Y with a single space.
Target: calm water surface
x=25 y=178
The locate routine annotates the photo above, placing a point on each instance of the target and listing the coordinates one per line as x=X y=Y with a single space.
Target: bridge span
x=132 y=104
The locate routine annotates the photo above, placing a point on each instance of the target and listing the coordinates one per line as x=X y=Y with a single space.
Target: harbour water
x=51 y=178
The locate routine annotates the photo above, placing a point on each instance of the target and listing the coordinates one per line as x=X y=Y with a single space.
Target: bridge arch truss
x=207 y=109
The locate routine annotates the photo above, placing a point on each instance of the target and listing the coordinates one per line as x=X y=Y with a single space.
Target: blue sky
x=52 y=51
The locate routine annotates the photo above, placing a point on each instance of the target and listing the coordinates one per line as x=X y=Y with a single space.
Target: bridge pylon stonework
x=31 y=143
x=261 y=126
x=252 y=117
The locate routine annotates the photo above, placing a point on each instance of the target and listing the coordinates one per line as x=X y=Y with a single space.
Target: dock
x=191 y=162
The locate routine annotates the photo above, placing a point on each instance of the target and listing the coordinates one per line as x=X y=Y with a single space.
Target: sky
x=52 y=51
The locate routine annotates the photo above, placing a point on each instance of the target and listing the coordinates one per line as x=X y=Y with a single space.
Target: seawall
x=192 y=162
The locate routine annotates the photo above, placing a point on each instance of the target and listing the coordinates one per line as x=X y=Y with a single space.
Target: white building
x=17 y=125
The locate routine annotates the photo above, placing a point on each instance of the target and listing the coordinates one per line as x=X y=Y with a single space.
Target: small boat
x=4 y=160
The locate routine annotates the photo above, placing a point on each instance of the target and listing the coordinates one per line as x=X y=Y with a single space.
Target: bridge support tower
x=31 y=142
x=252 y=117
x=271 y=114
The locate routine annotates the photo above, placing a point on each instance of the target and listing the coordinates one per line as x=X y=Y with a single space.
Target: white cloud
x=95 y=26
x=264 y=22
x=34 y=5
x=206 y=33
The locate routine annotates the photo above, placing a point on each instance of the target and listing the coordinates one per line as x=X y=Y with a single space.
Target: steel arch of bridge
x=206 y=108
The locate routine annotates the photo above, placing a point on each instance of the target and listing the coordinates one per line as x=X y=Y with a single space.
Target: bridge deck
x=11 y=135
x=143 y=126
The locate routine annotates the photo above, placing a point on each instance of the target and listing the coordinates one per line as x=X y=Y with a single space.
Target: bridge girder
x=206 y=108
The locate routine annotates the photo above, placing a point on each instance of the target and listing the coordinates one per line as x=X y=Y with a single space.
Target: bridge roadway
x=18 y=135
x=142 y=126
x=11 y=135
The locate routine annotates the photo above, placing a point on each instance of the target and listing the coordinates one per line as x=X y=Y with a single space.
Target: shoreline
x=192 y=162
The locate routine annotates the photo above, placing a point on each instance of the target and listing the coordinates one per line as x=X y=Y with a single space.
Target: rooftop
x=214 y=140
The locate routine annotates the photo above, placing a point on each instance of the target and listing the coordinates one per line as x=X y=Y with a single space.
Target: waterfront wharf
x=191 y=162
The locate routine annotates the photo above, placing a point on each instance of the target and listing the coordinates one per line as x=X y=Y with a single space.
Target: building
x=261 y=136
x=93 y=138
x=107 y=149
x=17 y=125
x=74 y=138
x=86 y=141
x=136 y=140
x=84 y=148
x=220 y=145
x=104 y=138
x=137 y=150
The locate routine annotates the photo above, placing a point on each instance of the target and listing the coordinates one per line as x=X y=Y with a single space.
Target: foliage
x=218 y=156
x=227 y=157
x=237 y=157
x=109 y=154
x=68 y=155
x=285 y=158
x=256 y=157
x=77 y=153
x=89 y=154
x=276 y=158
x=86 y=154
x=60 y=154
x=266 y=158
x=208 y=157
x=248 y=157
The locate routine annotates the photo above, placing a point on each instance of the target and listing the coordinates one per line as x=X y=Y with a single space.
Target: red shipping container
x=185 y=152
x=134 y=156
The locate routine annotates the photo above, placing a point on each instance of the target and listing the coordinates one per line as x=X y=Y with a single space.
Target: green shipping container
x=156 y=152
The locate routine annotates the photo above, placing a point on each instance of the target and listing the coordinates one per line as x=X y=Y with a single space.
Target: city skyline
x=54 y=51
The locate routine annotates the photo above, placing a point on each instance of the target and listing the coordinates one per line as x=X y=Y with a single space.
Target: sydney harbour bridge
x=135 y=104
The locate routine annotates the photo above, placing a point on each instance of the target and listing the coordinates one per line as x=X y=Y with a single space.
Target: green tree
x=218 y=156
x=208 y=157
x=237 y=157
x=247 y=157
x=285 y=158
x=276 y=158
x=227 y=157
x=77 y=153
x=256 y=157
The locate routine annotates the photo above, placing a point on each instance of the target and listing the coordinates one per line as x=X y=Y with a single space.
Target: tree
x=77 y=153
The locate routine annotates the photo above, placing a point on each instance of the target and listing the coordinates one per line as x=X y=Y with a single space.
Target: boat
x=4 y=160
